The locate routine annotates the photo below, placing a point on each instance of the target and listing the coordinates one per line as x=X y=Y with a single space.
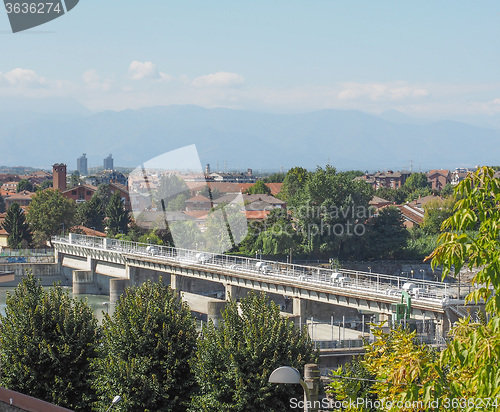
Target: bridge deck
x=386 y=288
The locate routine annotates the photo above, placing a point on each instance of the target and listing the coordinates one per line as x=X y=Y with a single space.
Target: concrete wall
x=47 y=272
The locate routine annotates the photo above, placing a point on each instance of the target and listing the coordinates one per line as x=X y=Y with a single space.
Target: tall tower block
x=59 y=176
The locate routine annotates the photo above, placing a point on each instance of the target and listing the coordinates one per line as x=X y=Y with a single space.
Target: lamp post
x=287 y=374
x=115 y=400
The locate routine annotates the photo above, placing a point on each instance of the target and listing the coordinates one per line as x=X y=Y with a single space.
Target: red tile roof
x=198 y=198
x=87 y=231
x=257 y=214
x=197 y=214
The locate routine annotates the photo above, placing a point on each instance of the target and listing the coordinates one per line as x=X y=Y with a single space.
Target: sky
x=424 y=58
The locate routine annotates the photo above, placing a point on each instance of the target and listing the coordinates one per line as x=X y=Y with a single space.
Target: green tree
x=103 y=193
x=2 y=204
x=468 y=368
x=417 y=181
x=386 y=234
x=46 y=184
x=49 y=214
x=293 y=185
x=275 y=178
x=25 y=184
x=148 y=343
x=91 y=214
x=333 y=215
x=397 y=196
x=171 y=194
x=226 y=226
x=16 y=226
x=209 y=193
x=234 y=360
x=447 y=190
x=258 y=188
x=74 y=179
x=276 y=236
x=118 y=216
x=471 y=236
x=436 y=212
x=47 y=344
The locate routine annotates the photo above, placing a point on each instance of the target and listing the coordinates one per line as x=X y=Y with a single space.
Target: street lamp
x=287 y=374
x=115 y=400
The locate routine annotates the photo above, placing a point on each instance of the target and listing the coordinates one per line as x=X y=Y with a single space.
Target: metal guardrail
x=369 y=283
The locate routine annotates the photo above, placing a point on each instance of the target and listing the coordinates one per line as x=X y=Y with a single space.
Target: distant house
x=438 y=179
x=87 y=231
x=124 y=193
x=3 y=233
x=378 y=202
x=107 y=176
x=233 y=177
x=253 y=202
x=458 y=175
x=10 y=187
x=422 y=201
x=412 y=215
x=80 y=193
x=390 y=179
x=38 y=177
x=23 y=198
x=198 y=203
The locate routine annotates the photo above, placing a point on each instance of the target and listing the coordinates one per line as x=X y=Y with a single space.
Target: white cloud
x=146 y=71
x=93 y=81
x=381 y=91
x=219 y=79
x=23 y=78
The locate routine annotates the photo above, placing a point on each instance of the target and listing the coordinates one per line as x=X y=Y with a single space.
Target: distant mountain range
x=241 y=139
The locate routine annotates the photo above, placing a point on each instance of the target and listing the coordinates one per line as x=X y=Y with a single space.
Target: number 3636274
x=33 y=8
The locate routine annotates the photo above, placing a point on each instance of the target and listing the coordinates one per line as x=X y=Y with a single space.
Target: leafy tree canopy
x=258 y=188
x=148 y=343
x=49 y=214
x=234 y=360
x=118 y=216
x=417 y=181
x=15 y=225
x=25 y=185
x=47 y=344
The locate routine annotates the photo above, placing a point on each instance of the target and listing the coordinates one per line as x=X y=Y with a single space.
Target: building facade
x=81 y=165
x=108 y=163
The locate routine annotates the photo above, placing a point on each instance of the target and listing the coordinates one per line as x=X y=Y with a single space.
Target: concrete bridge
x=305 y=289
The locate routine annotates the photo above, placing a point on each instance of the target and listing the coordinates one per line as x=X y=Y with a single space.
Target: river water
x=98 y=303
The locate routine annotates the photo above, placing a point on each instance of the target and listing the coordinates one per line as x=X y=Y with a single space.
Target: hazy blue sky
x=429 y=58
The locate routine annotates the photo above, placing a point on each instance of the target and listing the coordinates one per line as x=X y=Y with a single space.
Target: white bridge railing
x=330 y=279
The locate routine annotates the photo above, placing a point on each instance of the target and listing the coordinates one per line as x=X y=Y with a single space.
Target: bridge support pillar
x=83 y=282
x=116 y=288
x=215 y=310
x=232 y=292
x=299 y=311
x=176 y=282
x=443 y=325
x=385 y=317
x=91 y=263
